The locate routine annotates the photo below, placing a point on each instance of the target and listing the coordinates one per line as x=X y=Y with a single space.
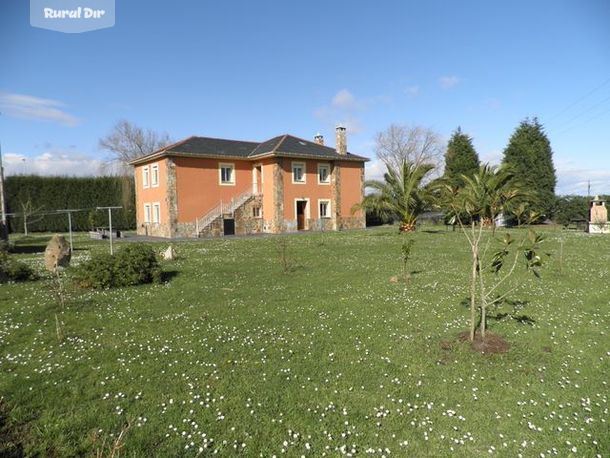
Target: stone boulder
x=169 y=254
x=57 y=253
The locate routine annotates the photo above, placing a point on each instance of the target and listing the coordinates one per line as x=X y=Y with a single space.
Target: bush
x=133 y=265
x=137 y=264
x=46 y=193
x=97 y=273
x=13 y=270
x=570 y=208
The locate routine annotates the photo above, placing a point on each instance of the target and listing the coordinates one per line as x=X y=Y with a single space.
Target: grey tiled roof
x=297 y=147
x=282 y=145
x=213 y=147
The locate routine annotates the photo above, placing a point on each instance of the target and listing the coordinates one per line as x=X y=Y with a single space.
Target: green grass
x=235 y=356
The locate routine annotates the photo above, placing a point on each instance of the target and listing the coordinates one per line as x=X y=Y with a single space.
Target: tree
x=571 y=208
x=460 y=158
x=483 y=197
x=414 y=145
x=530 y=156
x=29 y=212
x=400 y=196
x=489 y=192
x=127 y=141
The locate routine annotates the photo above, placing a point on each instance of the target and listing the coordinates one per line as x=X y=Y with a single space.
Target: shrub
x=133 y=265
x=97 y=272
x=570 y=208
x=136 y=264
x=13 y=270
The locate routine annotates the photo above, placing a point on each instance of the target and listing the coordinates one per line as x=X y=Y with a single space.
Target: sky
x=252 y=70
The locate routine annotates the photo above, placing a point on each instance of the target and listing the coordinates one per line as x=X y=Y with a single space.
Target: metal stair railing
x=222 y=209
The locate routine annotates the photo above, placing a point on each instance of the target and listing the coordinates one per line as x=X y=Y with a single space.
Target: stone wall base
x=155 y=230
x=246 y=223
x=185 y=230
x=352 y=222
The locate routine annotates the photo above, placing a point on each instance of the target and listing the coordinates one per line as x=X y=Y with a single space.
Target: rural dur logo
x=72 y=16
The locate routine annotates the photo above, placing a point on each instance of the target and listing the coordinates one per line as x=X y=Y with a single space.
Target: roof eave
x=148 y=157
x=268 y=154
x=351 y=158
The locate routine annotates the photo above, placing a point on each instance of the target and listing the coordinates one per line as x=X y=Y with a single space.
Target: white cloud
x=448 y=82
x=374 y=170
x=347 y=109
x=31 y=107
x=344 y=99
x=493 y=157
x=572 y=179
x=52 y=163
x=412 y=91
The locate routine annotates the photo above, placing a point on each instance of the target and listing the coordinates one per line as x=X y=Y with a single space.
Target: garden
x=321 y=344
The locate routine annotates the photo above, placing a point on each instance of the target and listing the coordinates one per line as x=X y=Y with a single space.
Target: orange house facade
x=210 y=187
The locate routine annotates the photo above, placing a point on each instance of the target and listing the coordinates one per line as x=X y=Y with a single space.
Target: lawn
x=232 y=355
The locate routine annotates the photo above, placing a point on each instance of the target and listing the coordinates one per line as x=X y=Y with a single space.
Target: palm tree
x=400 y=195
x=484 y=196
x=489 y=192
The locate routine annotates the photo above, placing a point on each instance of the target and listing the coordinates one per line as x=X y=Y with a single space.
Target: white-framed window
x=156 y=212
x=256 y=212
x=226 y=174
x=154 y=175
x=323 y=173
x=145 y=177
x=147 y=213
x=298 y=172
x=324 y=208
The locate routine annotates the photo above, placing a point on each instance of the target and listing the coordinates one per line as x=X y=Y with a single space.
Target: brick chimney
x=319 y=139
x=341 y=142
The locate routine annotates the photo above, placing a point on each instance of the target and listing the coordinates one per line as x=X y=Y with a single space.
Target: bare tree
x=127 y=141
x=414 y=144
x=29 y=212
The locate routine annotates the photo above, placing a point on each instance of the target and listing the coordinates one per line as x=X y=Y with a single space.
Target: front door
x=301 y=206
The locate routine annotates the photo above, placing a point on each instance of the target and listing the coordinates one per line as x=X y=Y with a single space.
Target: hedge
x=40 y=194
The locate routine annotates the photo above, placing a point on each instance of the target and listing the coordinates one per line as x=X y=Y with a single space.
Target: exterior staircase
x=222 y=210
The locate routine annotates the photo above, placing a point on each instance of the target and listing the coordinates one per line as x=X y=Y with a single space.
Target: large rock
x=57 y=253
x=169 y=254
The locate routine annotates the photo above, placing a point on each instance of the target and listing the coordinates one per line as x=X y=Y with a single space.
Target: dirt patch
x=10 y=435
x=492 y=343
x=446 y=344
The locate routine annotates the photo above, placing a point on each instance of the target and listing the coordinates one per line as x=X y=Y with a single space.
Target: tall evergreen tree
x=460 y=158
x=530 y=157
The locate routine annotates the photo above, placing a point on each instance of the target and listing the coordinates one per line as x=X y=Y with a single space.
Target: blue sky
x=253 y=70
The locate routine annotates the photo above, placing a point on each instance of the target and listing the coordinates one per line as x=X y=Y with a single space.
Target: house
x=204 y=186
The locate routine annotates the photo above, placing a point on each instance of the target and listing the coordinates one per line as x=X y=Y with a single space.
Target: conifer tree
x=530 y=158
x=460 y=158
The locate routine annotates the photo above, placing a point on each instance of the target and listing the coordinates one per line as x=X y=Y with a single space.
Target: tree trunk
x=483 y=303
x=483 y=306
x=407 y=227
x=473 y=286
